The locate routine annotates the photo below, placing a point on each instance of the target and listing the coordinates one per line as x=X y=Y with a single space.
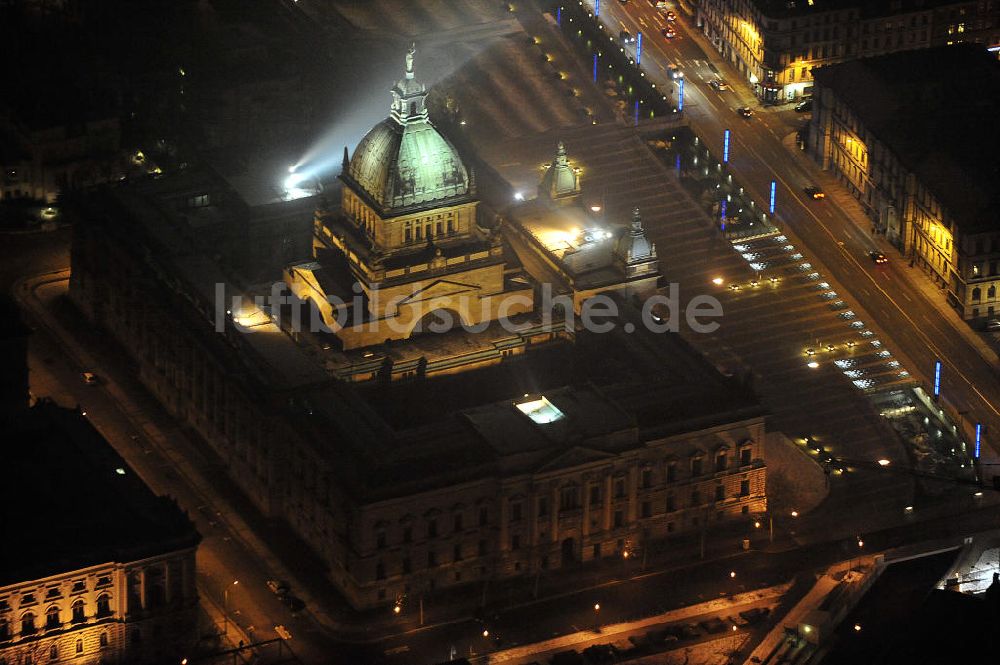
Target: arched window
x=53 y=652
x=104 y=640
x=976 y=294
x=103 y=605
x=991 y=292
x=79 y=646
x=78 y=614
x=52 y=617
x=28 y=624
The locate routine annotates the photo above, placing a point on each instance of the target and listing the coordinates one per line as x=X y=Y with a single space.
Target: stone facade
x=127 y=612
x=776 y=45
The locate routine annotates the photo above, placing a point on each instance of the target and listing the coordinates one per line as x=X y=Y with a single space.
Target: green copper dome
x=404 y=162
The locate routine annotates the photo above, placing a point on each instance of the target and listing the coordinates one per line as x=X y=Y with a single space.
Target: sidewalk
x=852 y=208
x=616 y=632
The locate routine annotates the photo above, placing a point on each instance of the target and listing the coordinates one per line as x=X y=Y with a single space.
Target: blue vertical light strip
x=595 y=68
x=725 y=147
x=677 y=163
x=774 y=190
x=722 y=214
x=979 y=438
x=597 y=7
x=559 y=16
x=636 y=112
x=638 y=49
x=937 y=378
x=680 y=94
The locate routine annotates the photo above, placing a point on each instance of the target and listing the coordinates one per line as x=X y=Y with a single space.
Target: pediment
x=441 y=288
x=574 y=456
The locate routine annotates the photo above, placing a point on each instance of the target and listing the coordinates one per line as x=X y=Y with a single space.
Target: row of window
x=569 y=496
x=53 y=618
x=618 y=521
x=27 y=659
x=56 y=591
x=420 y=232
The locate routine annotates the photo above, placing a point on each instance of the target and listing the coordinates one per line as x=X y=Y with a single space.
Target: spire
x=409 y=60
x=636 y=223
x=560 y=180
x=346 y=162
x=409 y=95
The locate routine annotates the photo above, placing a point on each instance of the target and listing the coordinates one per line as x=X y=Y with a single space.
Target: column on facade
x=585 y=498
x=607 y=501
x=633 y=484
x=554 y=512
x=504 y=526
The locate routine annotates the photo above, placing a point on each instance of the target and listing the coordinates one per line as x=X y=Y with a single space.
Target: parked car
x=755 y=615
x=714 y=625
x=90 y=378
x=690 y=631
x=814 y=192
x=745 y=112
x=278 y=587
x=993 y=325
x=877 y=256
x=804 y=106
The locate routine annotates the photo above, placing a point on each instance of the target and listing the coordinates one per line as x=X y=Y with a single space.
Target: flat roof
x=92 y=508
x=936 y=110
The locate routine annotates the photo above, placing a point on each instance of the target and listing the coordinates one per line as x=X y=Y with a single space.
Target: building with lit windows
x=438 y=460
x=97 y=569
x=776 y=44
x=913 y=136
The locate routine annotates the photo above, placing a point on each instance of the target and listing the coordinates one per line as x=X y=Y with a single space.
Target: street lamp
x=225 y=607
x=597 y=617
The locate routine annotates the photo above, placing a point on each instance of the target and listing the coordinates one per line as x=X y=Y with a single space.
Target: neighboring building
x=776 y=44
x=96 y=569
x=914 y=137
x=451 y=459
x=41 y=160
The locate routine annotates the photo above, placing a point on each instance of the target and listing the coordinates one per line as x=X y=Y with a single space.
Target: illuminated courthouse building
x=408 y=234
x=96 y=569
x=431 y=460
x=913 y=136
x=776 y=44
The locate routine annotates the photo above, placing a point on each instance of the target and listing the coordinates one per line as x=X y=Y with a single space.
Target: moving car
x=877 y=256
x=626 y=37
x=671 y=16
x=814 y=192
x=719 y=84
x=278 y=587
x=675 y=72
x=804 y=106
x=668 y=33
x=745 y=112
x=993 y=325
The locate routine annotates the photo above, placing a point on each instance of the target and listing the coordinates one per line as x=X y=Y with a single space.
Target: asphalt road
x=838 y=241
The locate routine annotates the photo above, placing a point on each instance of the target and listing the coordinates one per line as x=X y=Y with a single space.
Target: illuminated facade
x=97 y=569
x=408 y=235
x=921 y=169
x=776 y=44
